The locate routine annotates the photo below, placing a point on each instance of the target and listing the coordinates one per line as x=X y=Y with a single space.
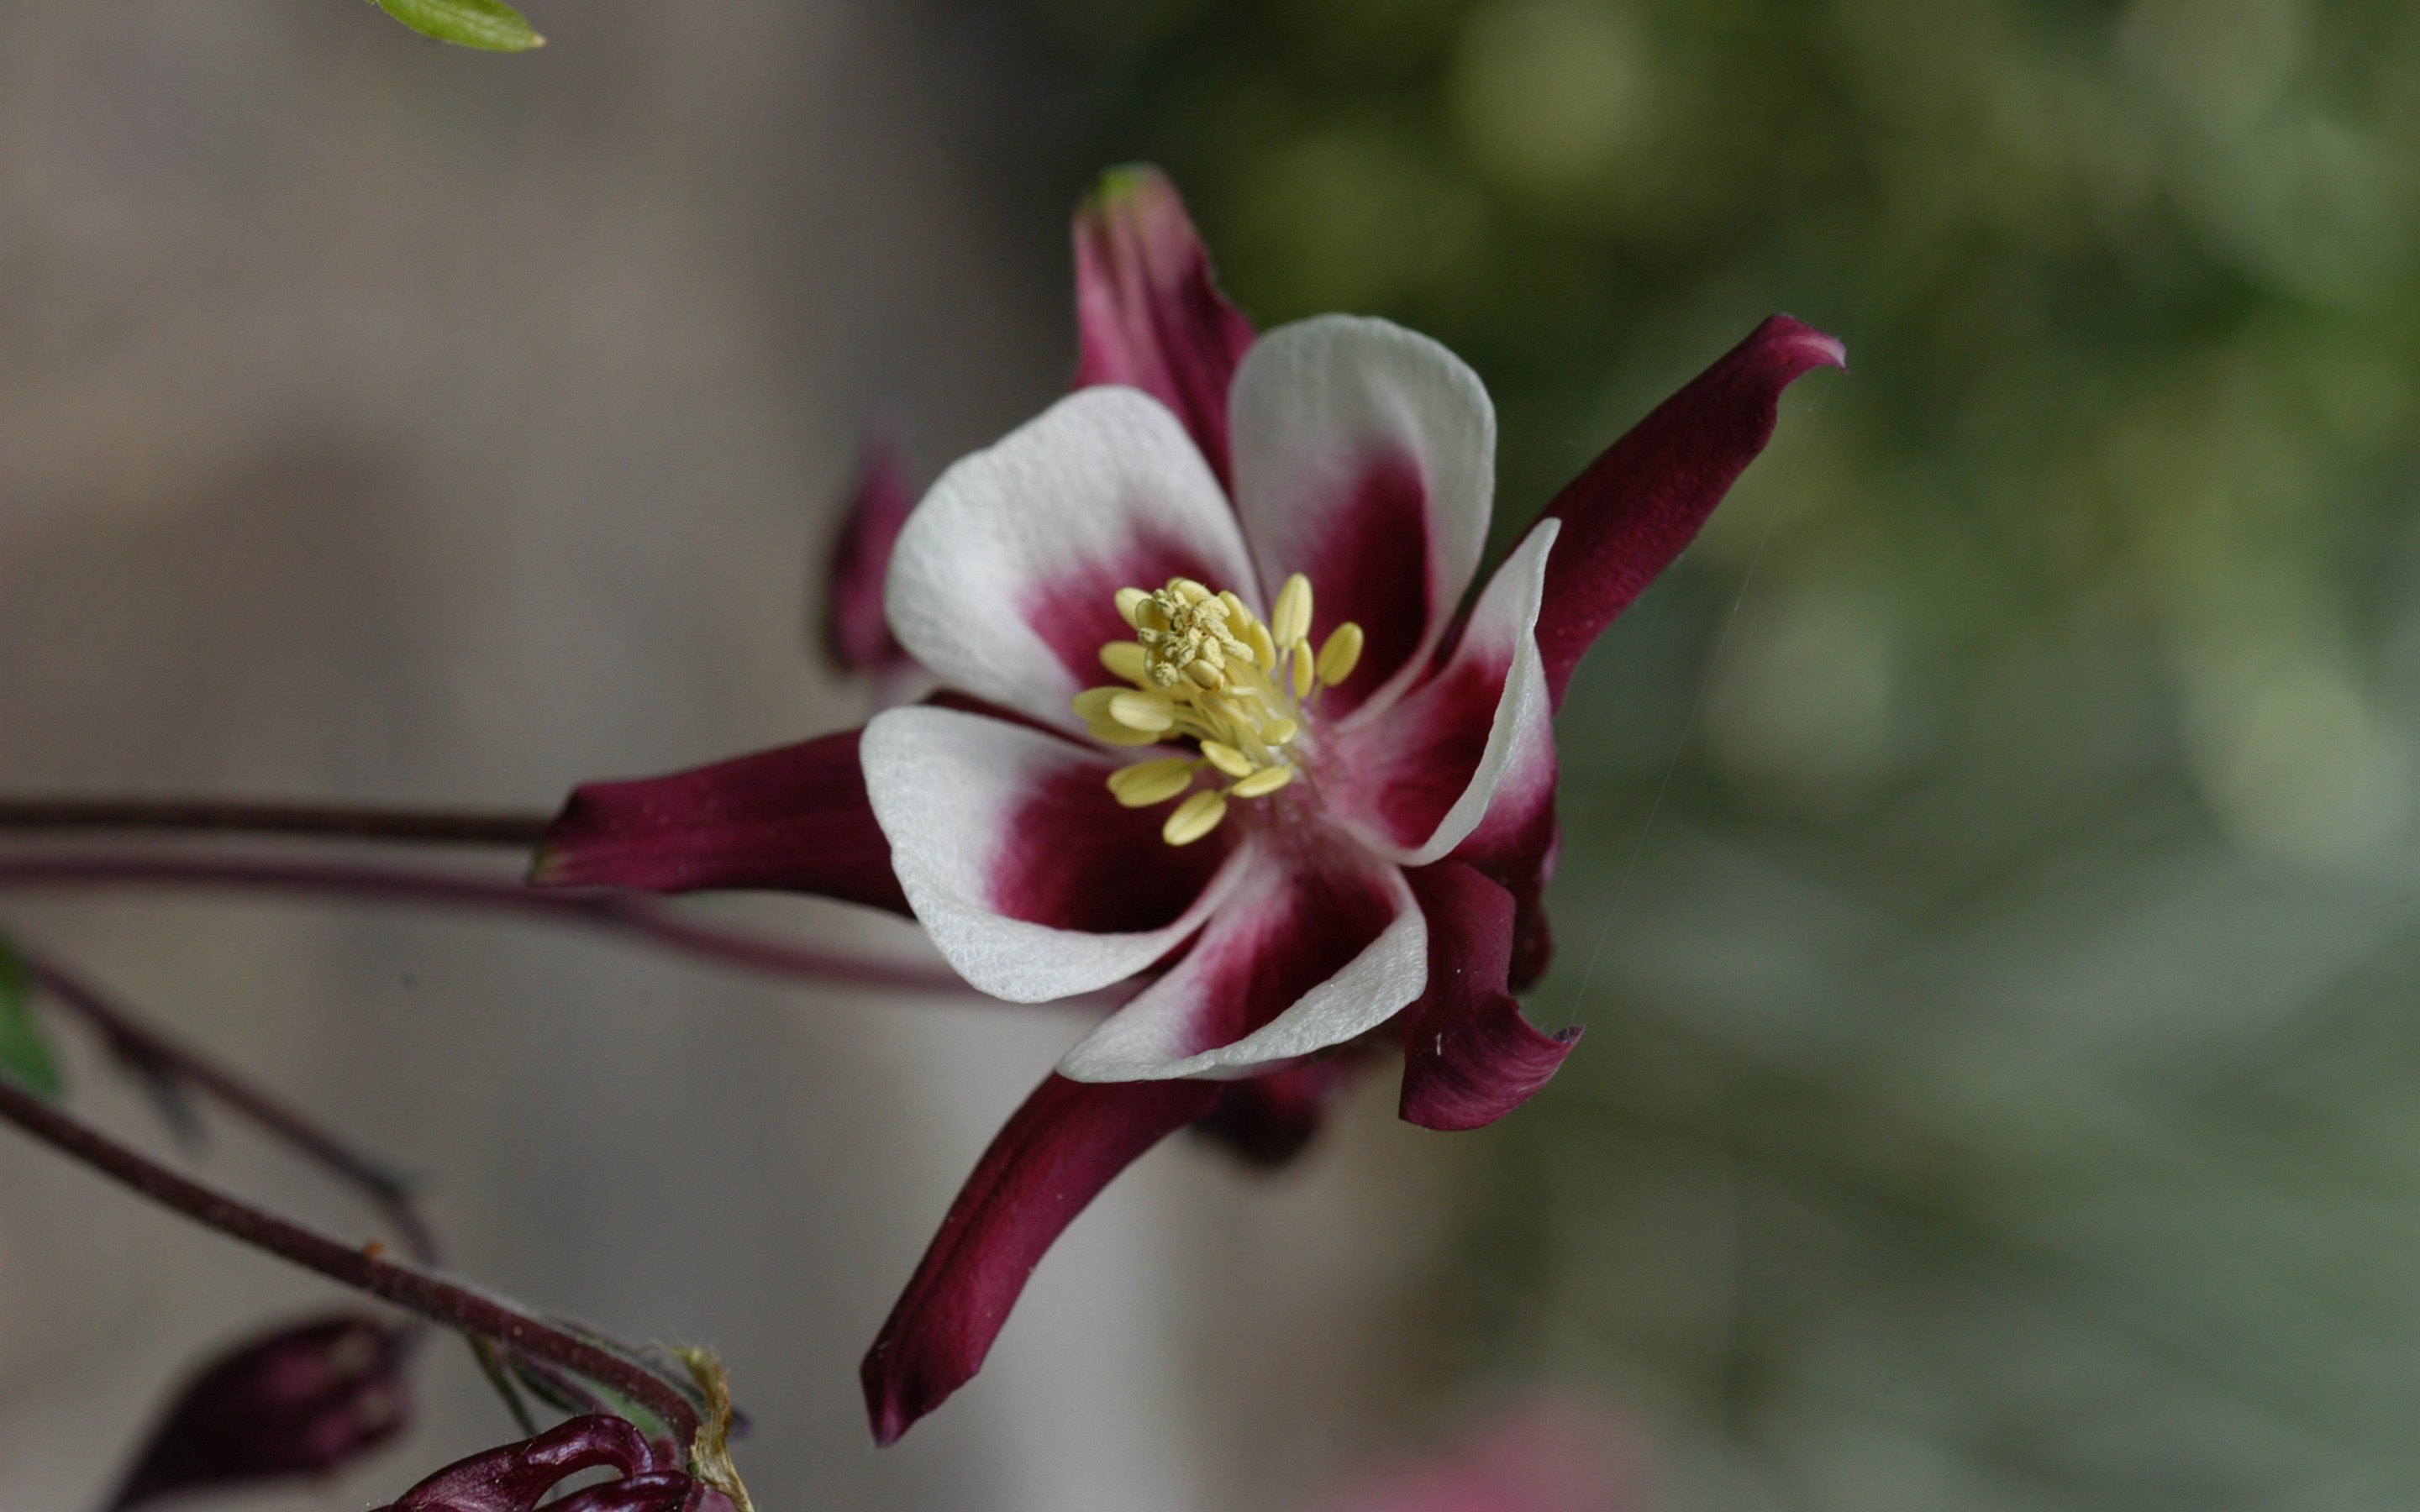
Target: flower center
x=1204 y=667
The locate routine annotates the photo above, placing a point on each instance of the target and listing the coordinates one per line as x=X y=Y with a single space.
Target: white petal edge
x=1104 y=467
x=1312 y=400
x=1506 y=617
x=1392 y=971
x=943 y=784
x=1523 y=783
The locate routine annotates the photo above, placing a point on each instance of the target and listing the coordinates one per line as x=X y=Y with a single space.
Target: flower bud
x=518 y=1476
x=856 y=635
x=307 y=1399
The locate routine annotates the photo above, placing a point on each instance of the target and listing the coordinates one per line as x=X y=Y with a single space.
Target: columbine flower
x=1218 y=723
x=1242 y=793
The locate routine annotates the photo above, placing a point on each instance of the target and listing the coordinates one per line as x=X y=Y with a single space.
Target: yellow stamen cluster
x=1204 y=667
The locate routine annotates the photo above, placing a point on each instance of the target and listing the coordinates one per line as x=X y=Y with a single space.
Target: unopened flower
x=1223 y=716
x=855 y=635
x=517 y=1477
x=305 y=1399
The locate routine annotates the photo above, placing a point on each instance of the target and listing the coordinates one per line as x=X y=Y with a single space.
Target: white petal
x=1004 y=577
x=1336 y=973
x=1365 y=457
x=993 y=824
x=1406 y=781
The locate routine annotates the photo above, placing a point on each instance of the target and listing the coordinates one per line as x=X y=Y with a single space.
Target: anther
x=1264 y=782
x=1126 y=659
x=1227 y=758
x=1109 y=732
x=1207 y=670
x=1264 y=648
x=1141 y=711
x=1194 y=818
x=1147 y=783
x=1341 y=653
x=1290 y=622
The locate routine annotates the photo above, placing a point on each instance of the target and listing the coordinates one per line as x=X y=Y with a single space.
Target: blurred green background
x=1989 y=879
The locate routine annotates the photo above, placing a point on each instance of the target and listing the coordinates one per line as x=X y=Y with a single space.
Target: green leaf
x=484 y=23
x=25 y=1055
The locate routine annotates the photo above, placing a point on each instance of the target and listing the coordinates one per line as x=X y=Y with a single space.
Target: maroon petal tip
x=1799 y=347
x=1148 y=312
x=1454 y=1088
x=891 y=1417
x=1469 y=1058
x=1640 y=503
x=1046 y=1163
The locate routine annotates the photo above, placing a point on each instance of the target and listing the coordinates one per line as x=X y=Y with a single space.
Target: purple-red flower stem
x=410 y=1287
x=144 y=1046
x=620 y=911
x=324 y=821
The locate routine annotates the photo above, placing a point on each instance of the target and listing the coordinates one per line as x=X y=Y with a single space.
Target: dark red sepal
x=794 y=819
x=1520 y=855
x=307 y=1399
x=1147 y=310
x=857 y=634
x=1043 y=1167
x=1640 y=503
x=1469 y=1058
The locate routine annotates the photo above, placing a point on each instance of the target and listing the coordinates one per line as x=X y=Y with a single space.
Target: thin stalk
x=325 y=821
x=141 y=1045
x=415 y=1289
x=617 y=912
